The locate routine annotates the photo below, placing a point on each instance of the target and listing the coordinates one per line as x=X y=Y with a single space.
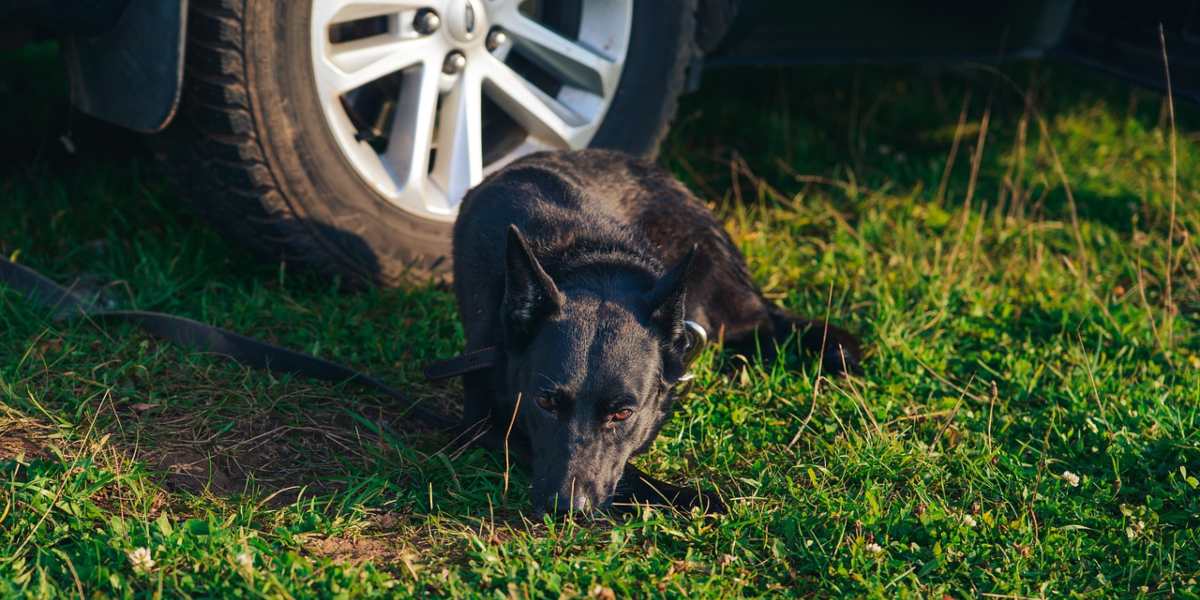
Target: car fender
x=131 y=74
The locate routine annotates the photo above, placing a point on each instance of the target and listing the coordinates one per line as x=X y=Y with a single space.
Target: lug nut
x=427 y=21
x=496 y=38
x=455 y=63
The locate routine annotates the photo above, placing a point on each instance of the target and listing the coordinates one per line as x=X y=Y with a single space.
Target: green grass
x=1016 y=333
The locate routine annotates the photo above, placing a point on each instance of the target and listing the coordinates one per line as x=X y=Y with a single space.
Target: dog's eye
x=621 y=415
x=548 y=402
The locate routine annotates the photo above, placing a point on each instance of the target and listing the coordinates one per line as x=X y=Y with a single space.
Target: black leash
x=484 y=358
x=67 y=304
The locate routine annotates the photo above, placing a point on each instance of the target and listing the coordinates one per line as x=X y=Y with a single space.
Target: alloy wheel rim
x=430 y=73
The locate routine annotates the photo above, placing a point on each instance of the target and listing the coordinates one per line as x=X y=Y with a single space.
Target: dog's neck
x=582 y=261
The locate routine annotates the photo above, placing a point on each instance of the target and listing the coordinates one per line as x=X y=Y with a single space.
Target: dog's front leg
x=840 y=350
x=636 y=487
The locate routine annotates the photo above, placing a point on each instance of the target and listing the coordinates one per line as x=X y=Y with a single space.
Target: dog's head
x=594 y=371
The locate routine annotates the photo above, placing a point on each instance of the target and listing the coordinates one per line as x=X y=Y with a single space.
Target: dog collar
x=485 y=358
x=697 y=338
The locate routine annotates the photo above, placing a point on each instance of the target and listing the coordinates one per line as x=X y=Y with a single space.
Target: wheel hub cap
x=465 y=19
x=415 y=108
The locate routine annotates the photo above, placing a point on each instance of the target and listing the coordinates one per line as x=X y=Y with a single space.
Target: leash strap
x=68 y=304
x=484 y=358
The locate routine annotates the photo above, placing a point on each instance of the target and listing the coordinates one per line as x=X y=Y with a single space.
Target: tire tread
x=214 y=154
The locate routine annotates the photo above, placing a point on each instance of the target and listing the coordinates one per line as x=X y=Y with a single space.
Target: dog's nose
x=563 y=504
x=581 y=504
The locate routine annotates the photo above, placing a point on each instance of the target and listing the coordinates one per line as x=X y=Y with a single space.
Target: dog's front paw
x=840 y=351
x=842 y=354
x=637 y=488
x=708 y=502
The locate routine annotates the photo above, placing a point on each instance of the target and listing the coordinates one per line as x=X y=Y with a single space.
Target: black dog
x=559 y=266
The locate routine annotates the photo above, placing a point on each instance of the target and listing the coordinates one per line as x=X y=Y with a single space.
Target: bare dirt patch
x=383 y=550
x=267 y=449
x=22 y=438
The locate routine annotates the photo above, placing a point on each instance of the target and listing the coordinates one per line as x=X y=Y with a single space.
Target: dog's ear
x=530 y=296
x=667 y=302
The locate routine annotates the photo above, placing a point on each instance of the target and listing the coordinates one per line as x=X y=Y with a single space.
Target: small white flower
x=245 y=562
x=1071 y=478
x=601 y=592
x=874 y=548
x=141 y=560
x=969 y=521
x=1136 y=529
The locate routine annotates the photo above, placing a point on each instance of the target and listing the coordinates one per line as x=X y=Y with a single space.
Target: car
x=345 y=133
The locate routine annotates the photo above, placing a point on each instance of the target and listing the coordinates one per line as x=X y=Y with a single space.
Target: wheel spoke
x=570 y=61
x=542 y=116
x=353 y=64
x=459 y=161
x=332 y=12
x=411 y=136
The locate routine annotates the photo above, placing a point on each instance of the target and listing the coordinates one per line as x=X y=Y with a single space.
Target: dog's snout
x=558 y=504
x=577 y=497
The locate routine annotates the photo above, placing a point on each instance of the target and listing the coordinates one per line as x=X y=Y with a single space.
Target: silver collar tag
x=697 y=339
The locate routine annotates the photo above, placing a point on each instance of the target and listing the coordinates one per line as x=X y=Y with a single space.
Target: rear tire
x=251 y=150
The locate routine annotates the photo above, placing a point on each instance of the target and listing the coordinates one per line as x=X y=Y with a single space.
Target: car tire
x=253 y=153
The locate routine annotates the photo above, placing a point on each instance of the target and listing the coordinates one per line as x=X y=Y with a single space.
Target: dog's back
x=597 y=202
x=574 y=210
